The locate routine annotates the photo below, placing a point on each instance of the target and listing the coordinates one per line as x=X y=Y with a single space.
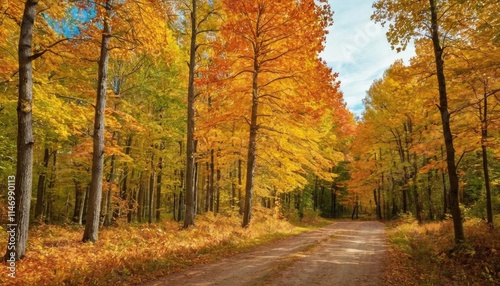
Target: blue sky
x=357 y=49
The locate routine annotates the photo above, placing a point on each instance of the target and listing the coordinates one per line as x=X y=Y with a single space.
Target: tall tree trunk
x=252 y=148
x=211 y=182
x=217 y=190
x=445 y=190
x=78 y=200
x=233 y=189
x=125 y=197
x=174 y=209
x=484 y=141
x=447 y=135
x=180 y=206
x=429 y=194
x=131 y=200
x=332 y=211
x=334 y=203
x=418 y=205
x=40 y=194
x=24 y=171
x=83 y=203
x=151 y=190
x=140 y=199
x=189 y=216
x=315 y=193
x=196 y=181
x=240 y=184
x=108 y=214
x=158 y=190
x=405 y=191
x=151 y=196
x=395 y=208
x=95 y=195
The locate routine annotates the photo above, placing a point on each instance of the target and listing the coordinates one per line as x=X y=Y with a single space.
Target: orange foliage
x=130 y=254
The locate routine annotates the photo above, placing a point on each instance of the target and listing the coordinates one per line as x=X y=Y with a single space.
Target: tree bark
x=108 y=213
x=95 y=195
x=217 y=191
x=140 y=199
x=447 y=134
x=189 y=215
x=82 y=205
x=484 y=140
x=211 y=183
x=240 y=184
x=124 y=193
x=41 y=187
x=158 y=190
x=24 y=169
x=252 y=148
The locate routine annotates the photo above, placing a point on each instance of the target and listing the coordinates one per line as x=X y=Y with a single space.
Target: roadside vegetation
x=426 y=254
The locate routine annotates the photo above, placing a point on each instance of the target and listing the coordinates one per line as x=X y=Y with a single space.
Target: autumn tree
x=265 y=43
x=95 y=195
x=25 y=141
x=200 y=17
x=126 y=40
x=429 y=18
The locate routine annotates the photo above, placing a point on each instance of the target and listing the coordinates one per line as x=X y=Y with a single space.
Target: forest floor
x=343 y=253
x=426 y=254
x=271 y=252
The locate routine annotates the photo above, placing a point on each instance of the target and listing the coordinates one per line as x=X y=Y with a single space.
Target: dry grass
x=131 y=254
x=430 y=252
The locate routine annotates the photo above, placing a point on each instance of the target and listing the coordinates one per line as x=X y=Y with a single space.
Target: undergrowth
x=431 y=251
x=132 y=254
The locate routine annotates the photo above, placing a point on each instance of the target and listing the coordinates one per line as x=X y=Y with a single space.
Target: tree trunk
x=158 y=190
x=233 y=189
x=418 y=206
x=180 y=206
x=445 y=190
x=151 y=197
x=395 y=208
x=24 y=171
x=189 y=216
x=429 y=194
x=78 y=200
x=108 y=214
x=217 y=192
x=240 y=184
x=124 y=193
x=315 y=194
x=334 y=203
x=40 y=194
x=82 y=205
x=131 y=203
x=484 y=140
x=447 y=135
x=174 y=210
x=211 y=183
x=252 y=148
x=95 y=195
x=405 y=190
x=140 y=199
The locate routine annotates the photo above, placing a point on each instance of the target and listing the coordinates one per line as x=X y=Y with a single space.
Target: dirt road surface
x=344 y=253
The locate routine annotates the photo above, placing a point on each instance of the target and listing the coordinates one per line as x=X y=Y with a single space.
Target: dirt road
x=344 y=253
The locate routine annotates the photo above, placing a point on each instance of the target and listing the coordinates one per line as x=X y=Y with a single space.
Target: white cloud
x=358 y=50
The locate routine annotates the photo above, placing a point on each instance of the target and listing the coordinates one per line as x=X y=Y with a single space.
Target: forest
x=129 y=122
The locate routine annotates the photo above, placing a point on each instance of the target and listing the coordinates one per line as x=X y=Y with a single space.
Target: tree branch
x=39 y=54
